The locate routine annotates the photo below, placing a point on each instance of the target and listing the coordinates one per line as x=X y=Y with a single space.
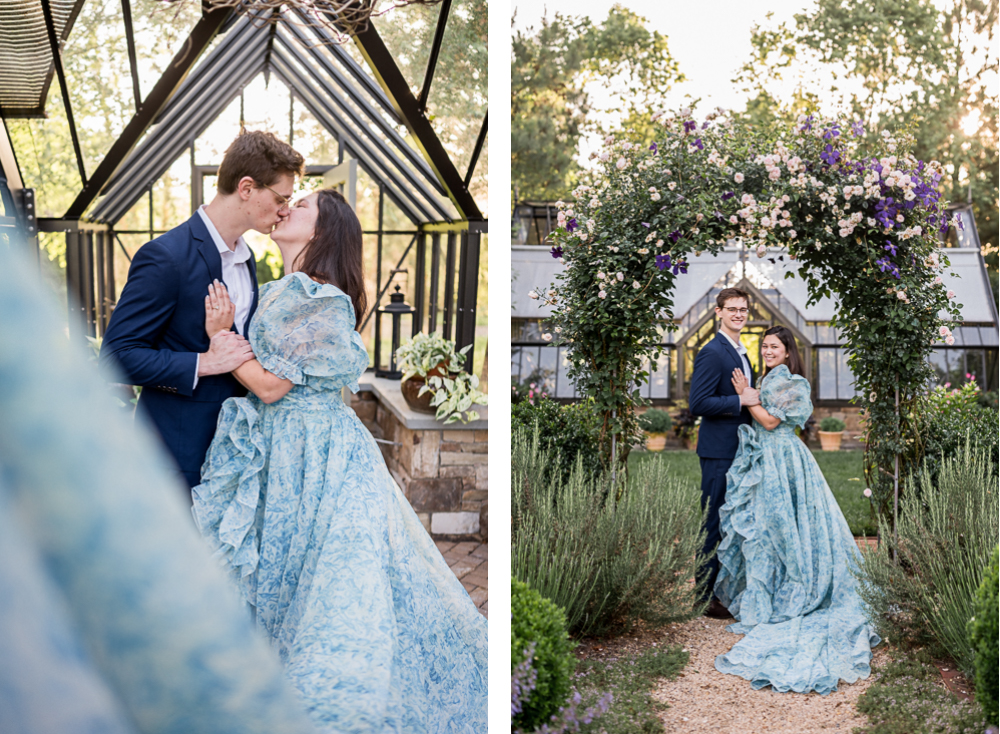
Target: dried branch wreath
x=341 y=18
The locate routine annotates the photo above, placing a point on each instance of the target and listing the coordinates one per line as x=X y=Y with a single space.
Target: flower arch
x=855 y=209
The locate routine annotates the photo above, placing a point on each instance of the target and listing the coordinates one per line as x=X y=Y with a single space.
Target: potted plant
x=434 y=380
x=655 y=423
x=831 y=431
x=686 y=427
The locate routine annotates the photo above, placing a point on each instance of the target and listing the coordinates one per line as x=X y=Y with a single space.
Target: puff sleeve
x=787 y=396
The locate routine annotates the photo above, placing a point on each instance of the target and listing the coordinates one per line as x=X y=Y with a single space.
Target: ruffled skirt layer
x=785 y=571
x=374 y=629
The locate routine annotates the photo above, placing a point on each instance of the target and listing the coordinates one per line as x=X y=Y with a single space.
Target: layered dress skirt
x=786 y=559
x=375 y=631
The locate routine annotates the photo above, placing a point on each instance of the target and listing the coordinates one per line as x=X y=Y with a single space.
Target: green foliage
x=907 y=698
x=608 y=556
x=831 y=425
x=453 y=391
x=568 y=432
x=947 y=535
x=550 y=69
x=632 y=680
x=984 y=629
x=655 y=420
x=946 y=419
x=537 y=621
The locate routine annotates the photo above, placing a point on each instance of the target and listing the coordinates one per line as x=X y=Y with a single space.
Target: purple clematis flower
x=698 y=144
x=831 y=132
x=728 y=195
x=571 y=225
x=663 y=261
x=690 y=125
x=858 y=128
x=680 y=267
x=653 y=148
x=891 y=248
x=674 y=236
x=645 y=224
x=830 y=155
x=557 y=252
x=808 y=124
x=886 y=265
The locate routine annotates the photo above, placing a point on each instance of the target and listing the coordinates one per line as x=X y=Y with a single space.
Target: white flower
x=671 y=185
x=620 y=276
x=643 y=251
x=609 y=140
x=867 y=492
x=600 y=276
x=738 y=178
x=901 y=295
x=636 y=284
x=604 y=156
x=951 y=294
x=546 y=337
x=620 y=164
x=792 y=233
x=602 y=294
x=949 y=340
x=734 y=219
x=761 y=250
x=654 y=197
x=944 y=331
x=871 y=398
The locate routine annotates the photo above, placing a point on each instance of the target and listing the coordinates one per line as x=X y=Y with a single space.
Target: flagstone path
x=469 y=561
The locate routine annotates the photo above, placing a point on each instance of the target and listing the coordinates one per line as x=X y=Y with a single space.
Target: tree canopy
x=551 y=107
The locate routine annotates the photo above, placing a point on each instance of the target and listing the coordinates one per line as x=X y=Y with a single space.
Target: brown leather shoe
x=716 y=610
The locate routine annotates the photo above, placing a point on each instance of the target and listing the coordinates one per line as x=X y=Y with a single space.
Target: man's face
x=269 y=204
x=733 y=313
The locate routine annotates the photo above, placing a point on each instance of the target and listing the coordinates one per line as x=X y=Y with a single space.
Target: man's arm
x=143 y=312
x=702 y=399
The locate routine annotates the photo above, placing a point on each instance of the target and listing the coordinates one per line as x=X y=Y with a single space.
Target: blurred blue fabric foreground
x=113 y=616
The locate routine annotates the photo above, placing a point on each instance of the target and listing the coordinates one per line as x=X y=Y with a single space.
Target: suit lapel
x=252 y=265
x=206 y=246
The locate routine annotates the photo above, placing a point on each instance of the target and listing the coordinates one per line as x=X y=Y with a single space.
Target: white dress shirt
x=738 y=346
x=235 y=275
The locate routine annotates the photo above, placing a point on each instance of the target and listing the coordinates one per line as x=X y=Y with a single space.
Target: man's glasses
x=734 y=311
x=283 y=201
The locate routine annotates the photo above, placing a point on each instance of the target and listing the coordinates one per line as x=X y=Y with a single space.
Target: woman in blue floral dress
x=375 y=631
x=787 y=552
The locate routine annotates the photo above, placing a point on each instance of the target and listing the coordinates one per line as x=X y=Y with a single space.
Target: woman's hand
x=219 y=309
x=739 y=381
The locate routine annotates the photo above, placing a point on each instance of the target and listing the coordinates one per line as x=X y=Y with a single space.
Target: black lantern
x=397 y=308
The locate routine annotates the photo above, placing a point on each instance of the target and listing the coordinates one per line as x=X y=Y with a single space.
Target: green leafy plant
x=655 y=420
x=907 y=698
x=947 y=535
x=433 y=359
x=538 y=626
x=569 y=432
x=609 y=556
x=831 y=425
x=984 y=629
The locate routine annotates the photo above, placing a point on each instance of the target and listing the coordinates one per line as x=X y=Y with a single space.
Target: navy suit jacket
x=158 y=328
x=713 y=397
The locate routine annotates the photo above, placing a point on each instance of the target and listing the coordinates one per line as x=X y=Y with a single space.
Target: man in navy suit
x=156 y=335
x=713 y=397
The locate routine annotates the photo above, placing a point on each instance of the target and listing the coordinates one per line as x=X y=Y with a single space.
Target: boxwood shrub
x=983 y=629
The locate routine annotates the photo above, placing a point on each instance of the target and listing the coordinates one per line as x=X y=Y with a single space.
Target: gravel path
x=704 y=701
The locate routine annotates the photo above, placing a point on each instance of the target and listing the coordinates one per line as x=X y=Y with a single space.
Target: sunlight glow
x=971 y=124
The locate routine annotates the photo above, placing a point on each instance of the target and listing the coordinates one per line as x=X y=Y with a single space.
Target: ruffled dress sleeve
x=787 y=396
x=303 y=331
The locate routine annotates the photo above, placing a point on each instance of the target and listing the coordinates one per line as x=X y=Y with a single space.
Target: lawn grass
x=843 y=471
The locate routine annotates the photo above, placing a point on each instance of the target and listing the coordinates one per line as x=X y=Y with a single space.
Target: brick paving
x=470 y=563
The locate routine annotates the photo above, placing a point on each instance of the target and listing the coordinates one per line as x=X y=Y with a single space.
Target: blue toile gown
x=786 y=557
x=375 y=631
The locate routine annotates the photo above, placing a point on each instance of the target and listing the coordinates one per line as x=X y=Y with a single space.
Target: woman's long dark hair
x=333 y=255
x=786 y=337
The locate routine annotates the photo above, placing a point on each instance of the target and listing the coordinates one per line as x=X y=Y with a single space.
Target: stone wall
x=441 y=469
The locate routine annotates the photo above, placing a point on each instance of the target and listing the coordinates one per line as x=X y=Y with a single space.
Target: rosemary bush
x=947 y=534
x=608 y=558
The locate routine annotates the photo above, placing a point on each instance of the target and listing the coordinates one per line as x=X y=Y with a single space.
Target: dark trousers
x=713 y=495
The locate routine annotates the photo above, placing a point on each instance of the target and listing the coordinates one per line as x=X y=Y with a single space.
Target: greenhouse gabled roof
x=335 y=90
x=27 y=70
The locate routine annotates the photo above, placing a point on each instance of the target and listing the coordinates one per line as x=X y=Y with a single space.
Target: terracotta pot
x=655 y=441
x=411 y=387
x=830 y=440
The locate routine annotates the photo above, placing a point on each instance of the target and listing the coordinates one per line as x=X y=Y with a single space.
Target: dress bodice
x=786 y=397
x=303 y=331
